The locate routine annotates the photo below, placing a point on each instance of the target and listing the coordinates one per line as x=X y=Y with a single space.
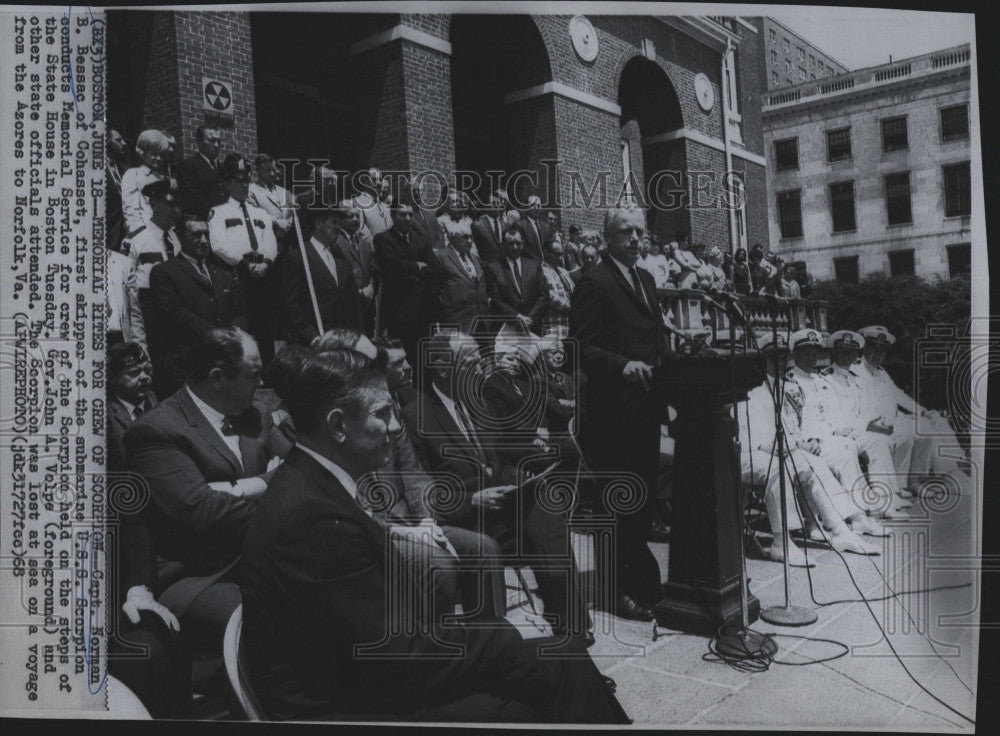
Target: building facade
x=870 y=170
x=664 y=105
x=790 y=59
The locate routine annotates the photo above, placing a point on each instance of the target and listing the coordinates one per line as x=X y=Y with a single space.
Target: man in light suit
x=356 y=246
x=204 y=454
x=462 y=294
x=332 y=279
x=333 y=626
x=623 y=350
x=517 y=287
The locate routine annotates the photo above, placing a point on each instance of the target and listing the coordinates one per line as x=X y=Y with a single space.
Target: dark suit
x=614 y=325
x=114 y=220
x=339 y=303
x=315 y=574
x=522 y=527
x=201 y=188
x=535 y=244
x=186 y=306
x=406 y=288
x=359 y=254
x=462 y=298
x=198 y=532
x=426 y=231
x=530 y=297
x=484 y=235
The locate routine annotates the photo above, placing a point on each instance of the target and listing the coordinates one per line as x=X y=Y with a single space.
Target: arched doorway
x=655 y=164
x=492 y=57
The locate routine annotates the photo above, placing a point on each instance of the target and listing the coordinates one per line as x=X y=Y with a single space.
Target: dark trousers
x=622 y=441
x=262 y=305
x=529 y=529
x=154 y=663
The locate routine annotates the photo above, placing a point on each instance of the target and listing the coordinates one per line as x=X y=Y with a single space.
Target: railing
x=870 y=77
x=696 y=318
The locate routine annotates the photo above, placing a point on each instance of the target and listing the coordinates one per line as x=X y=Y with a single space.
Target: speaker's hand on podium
x=636 y=371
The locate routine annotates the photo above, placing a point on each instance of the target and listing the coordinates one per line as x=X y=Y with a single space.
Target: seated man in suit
x=517 y=287
x=327 y=626
x=452 y=439
x=161 y=678
x=191 y=295
x=204 y=453
x=331 y=277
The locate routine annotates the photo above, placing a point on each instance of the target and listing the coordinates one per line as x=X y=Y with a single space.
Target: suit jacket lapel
x=459 y=441
x=190 y=270
x=333 y=490
x=627 y=287
x=318 y=266
x=197 y=420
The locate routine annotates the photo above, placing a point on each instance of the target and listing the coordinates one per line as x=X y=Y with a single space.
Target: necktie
x=137 y=412
x=203 y=269
x=168 y=245
x=499 y=233
x=634 y=274
x=469 y=268
x=516 y=268
x=468 y=427
x=254 y=245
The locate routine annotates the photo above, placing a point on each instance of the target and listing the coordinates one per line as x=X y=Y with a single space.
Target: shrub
x=907 y=306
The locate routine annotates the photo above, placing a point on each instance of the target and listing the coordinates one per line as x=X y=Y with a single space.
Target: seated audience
x=327 y=628
x=204 y=454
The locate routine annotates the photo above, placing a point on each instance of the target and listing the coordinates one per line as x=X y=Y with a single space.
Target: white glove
x=140 y=598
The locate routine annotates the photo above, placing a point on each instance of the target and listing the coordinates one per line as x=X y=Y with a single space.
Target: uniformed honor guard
x=814 y=404
x=242 y=237
x=154 y=243
x=806 y=475
x=920 y=437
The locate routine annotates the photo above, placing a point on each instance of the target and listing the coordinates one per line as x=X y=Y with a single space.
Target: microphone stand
x=731 y=640
x=786 y=615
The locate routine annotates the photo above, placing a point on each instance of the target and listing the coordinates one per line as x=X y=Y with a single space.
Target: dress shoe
x=796 y=557
x=612 y=685
x=848 y=541
x=626 y=607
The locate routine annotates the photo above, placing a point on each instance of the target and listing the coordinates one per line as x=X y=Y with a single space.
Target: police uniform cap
x=125 y=355
x=806 y=338
x=234 y=166
x=160 y=189
x=877 y=334
x=847 y=339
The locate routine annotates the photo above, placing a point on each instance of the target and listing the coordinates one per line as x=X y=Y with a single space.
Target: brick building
x=870 y=170
x=791 y=59
x=667 y=104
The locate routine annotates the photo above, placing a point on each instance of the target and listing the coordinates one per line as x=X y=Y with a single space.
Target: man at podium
x=617 y=321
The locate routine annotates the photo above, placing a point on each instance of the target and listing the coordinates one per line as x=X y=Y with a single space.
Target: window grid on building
x=838 y=144
x=957 y=190
x=790 y=214
x=894 y=136
x=954 y=123
x=786 y=154
x=846 y=269
x=897 y=198
x=901 y=263
x=842 y=206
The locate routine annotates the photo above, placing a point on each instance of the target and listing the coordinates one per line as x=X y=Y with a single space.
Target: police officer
x=242 y=236
x=916 y=453
x=155 y=242
x=817 y=417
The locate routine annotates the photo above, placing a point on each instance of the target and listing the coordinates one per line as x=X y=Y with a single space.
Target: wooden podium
x=702 y=591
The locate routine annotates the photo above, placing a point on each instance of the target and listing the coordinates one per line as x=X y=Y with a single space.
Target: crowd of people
x=348 y=418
